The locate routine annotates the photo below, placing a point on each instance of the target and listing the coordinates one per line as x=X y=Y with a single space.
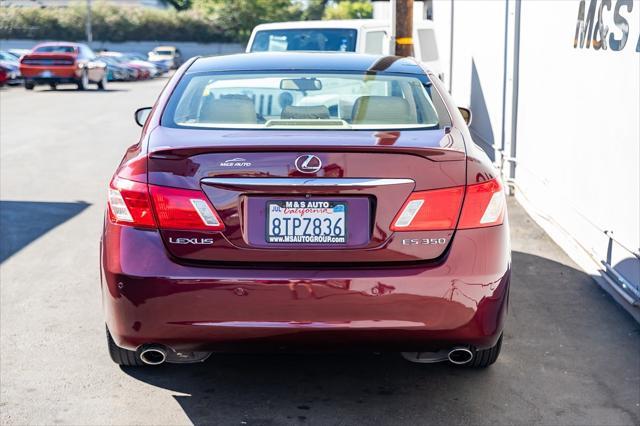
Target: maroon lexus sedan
x=305 y=202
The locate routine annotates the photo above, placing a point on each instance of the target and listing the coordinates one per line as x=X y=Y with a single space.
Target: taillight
x=184 y=209
x=430 y=210
x=484 y=205
x=130 y=203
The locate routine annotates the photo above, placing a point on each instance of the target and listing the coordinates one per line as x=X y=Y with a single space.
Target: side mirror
x=466 y=114
x=141 y=115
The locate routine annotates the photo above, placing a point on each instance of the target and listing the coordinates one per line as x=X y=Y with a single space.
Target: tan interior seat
x=381 y=110
x=228 y=110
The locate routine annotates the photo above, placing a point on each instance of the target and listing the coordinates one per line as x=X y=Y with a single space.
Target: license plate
x=306 y=222
x=46 y=74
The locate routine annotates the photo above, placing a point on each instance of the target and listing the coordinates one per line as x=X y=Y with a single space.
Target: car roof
x=300 y=61
x=341 y=23
x=165 y=48
x=57 y=43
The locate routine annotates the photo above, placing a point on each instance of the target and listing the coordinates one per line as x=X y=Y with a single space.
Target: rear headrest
x=305 y=112
x=228 y=110
x=381 y=110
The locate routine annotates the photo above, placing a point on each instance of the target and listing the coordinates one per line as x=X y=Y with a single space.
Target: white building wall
x=442 y=27
x=578 y=131
x=478 y=68
x=576 y=121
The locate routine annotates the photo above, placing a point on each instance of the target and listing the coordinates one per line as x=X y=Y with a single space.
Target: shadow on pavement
x=556 y=314
x=75 y=90
x=22 y=222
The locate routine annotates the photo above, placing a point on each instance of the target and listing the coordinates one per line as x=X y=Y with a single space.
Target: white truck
x=358 y=35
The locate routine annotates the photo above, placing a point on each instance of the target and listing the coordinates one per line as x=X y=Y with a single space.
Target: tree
x=239 y=17
x=346 y=9
x=315 y=10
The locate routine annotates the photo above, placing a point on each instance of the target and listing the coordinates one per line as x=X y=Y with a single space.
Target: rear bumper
x=149 y=298
x=52 y=80
x=33 y=72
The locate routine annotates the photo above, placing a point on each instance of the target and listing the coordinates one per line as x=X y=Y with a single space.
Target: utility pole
x=403 y=27
x=88 y=23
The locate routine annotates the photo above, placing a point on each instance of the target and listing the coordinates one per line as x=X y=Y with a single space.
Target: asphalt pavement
x=570 y=354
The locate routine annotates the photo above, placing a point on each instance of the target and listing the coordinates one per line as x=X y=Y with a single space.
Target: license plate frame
x=309 y=208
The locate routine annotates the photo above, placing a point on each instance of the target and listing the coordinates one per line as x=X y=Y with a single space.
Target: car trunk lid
x=48 y=59
x=369 y=175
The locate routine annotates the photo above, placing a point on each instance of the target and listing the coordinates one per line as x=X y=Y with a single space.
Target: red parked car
x=143 y=72
x=4 y=76
x=305 y=201
x=59 y=63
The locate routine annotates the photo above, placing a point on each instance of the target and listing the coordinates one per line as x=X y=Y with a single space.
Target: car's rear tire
x=102 y=84
x=29 y=85
x=83 y=83
x=483 y=358
x=53 y=86
x=121 y=356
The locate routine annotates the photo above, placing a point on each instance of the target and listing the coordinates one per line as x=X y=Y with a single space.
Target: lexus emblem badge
x=308 y=163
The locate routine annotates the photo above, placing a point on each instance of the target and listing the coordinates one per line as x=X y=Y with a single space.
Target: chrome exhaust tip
x=460 y=355
x=153 y=355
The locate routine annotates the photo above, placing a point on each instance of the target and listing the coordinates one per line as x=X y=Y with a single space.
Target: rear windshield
x=55 y=49
x=304 y=101
x=310 y=39
x=163 y=52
